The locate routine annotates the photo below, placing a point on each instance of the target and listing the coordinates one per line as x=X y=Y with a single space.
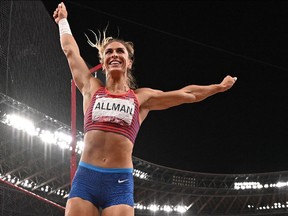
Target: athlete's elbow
x=190 y=98
x=67 y=49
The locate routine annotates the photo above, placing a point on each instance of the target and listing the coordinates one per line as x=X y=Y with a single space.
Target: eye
x=108 y=51
x=120 y=50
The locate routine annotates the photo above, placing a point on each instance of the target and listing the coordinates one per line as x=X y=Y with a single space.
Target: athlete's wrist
x=64 y=27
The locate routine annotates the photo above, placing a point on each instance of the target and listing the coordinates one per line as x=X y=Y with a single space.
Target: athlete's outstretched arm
x=159 y=100
x=78 y=67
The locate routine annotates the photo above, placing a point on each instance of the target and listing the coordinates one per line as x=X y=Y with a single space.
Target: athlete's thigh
x=118 y=210
x=77 y=206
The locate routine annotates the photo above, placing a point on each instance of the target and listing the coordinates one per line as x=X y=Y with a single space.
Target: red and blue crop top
x=113 y=113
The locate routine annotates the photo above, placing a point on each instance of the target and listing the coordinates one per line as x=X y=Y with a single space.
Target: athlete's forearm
x=67 y=40
x=69 y=45
x=200 y=93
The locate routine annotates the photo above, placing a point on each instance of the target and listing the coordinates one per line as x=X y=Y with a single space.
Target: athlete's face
x=116 y=58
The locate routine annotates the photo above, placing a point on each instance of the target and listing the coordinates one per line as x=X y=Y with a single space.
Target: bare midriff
x=107 y=150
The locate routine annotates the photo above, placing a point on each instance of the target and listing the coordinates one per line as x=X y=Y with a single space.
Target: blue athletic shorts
x=103 y=187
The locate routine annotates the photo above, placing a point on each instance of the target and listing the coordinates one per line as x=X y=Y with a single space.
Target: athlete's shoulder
x=145 y=94
x=146 y=91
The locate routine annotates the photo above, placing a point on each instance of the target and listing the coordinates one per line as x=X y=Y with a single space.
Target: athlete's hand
x=228 y=82
x=60 y=12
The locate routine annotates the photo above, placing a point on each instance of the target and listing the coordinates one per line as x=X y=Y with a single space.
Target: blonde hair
x=101 y=41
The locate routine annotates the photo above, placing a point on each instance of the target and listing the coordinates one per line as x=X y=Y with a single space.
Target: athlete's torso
x=116 y=113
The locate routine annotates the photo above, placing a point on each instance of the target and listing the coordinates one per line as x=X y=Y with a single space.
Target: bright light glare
x=79 y=146
x=281 y=184
x=257 y=185
x=47 y=137
x=276 y=205
x=153 y=207
x=180 y=208
x=63 y=140
x=166 y=208
x=140 y=174
x=21 y=123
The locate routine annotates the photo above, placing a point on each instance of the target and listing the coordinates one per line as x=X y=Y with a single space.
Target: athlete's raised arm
x=85 y=82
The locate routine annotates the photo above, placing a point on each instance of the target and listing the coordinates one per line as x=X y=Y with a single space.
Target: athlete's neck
x=117 y=87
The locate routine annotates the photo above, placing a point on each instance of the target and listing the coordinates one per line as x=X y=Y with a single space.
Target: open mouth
x=115 y=63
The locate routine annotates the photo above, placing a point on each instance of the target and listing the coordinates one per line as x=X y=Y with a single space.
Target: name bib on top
x=115 y=110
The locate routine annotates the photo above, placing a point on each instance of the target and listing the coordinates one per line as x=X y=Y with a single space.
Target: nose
x=114 y=54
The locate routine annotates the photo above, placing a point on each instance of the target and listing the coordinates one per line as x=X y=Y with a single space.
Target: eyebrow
x=119 y=48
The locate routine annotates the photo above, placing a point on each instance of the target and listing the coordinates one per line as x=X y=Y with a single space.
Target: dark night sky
x=179 y=43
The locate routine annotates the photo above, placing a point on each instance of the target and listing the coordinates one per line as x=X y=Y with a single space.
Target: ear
x=103 y=66
x=130 y=63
